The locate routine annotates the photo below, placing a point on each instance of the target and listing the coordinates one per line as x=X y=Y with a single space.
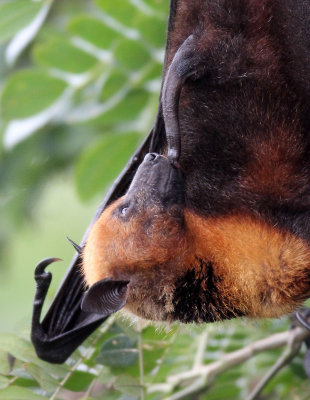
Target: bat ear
x=105 y=297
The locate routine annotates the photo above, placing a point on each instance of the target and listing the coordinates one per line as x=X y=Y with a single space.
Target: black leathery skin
x=158 y=181
x=105 y=297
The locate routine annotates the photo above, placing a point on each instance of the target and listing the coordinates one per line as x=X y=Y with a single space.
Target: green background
x=79 y=86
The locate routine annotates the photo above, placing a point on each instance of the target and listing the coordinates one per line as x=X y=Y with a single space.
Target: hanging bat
x=210 y=219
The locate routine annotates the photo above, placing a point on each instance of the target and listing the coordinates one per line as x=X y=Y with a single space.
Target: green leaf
x=23 y=376
x=119 y=351
x=128 y=385
x=28 y=92
x=15 y=15
x=79 y=380
x=154 y=73
x=154 y=345
x=18 y=347
x=93 y=30
x=60 y=53
x=45 y=380
x=115 y=82
x=224 y=391
x=158 y=5
x=153 y=334
x=4 y=363
x=131 y=54
x=4 y=382
x=152 y=29
x=121 y=10
x=178 y=357
x=298 y=369
x=99 y=165
x=59 y=371
x=18 y=393
x=128 y=109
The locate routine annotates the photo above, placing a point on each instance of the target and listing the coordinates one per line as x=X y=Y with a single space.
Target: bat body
x=215 y=225
x=238 y=128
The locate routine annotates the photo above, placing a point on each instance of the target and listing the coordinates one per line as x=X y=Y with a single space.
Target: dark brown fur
x=244 y=122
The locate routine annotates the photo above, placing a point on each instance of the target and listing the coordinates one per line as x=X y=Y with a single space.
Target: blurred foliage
x=79 y=84
x=79 y=88
x=119 y=362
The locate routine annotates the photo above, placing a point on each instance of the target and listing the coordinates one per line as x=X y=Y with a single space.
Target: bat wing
x=65 y=325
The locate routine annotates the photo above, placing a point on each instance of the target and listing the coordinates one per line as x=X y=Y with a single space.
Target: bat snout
x=158 y=182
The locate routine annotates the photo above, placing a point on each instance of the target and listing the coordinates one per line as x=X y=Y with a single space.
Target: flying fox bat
x=210 y=219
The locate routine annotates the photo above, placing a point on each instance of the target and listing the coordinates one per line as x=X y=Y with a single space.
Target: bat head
x=151 y=254
x=138 y=244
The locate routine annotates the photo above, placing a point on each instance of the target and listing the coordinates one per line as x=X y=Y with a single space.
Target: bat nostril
x=150 y=156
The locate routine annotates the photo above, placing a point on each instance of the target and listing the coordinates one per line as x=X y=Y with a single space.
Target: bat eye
x=124 y=210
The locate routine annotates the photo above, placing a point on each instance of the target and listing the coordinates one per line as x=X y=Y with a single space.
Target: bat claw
x=76 y=246
x=302 y=319
x=39 y=271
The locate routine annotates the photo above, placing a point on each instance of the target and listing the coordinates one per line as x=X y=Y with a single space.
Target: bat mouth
x=158 y=181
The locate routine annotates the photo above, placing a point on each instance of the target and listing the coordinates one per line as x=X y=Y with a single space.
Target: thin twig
x=287 y=356
x=198 y=363
x=141 y=365
x=11 y=381
x=195 y=387
x=204 y=376
x=89 y=389
x=82 y=359
x=160 y=361
x=202 y=344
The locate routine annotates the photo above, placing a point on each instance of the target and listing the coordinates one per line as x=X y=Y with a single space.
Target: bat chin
x=148 y=311
x=188 y=295
x=151 y=298
x=181 y=300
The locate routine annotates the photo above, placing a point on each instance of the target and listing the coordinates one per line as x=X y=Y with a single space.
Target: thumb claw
x=76 y=246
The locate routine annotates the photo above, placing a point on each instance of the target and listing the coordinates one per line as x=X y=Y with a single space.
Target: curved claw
x=76 y=246
x=40 y=268
x=302 y=320
x=43 y=280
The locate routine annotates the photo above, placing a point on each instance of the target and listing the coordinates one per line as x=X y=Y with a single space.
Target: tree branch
x=292 y=349
x=204 y=375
